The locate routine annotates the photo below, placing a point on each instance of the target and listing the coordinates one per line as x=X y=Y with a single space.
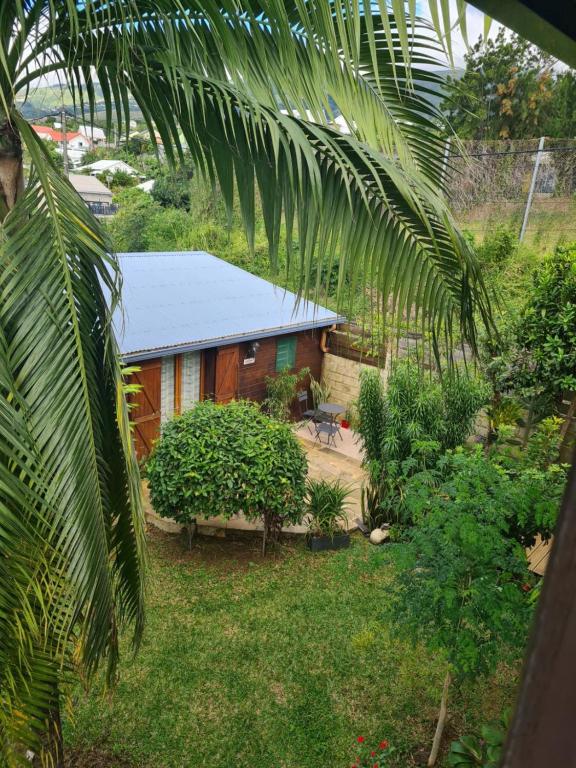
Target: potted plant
x=345 y=420
x=327 y=502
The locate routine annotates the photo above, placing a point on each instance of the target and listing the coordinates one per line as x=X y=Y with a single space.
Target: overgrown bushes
x=226 y=460
x=406 y=427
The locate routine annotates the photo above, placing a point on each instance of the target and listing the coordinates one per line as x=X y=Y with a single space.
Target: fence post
x=532 y=187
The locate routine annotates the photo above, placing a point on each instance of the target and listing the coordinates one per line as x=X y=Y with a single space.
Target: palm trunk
x=440 y=724
x=11 y=170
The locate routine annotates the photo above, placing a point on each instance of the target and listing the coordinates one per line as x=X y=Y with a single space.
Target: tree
x=229 y=460
x=460 y=588
x=129 y=227
x=207 y=77
x=172 y=187
x=505 y=92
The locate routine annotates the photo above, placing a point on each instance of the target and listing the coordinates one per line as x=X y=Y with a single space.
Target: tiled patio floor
x=342 y=462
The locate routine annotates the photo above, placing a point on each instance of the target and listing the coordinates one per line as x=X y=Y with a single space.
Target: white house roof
x=146 y=186
x=101 y=166
x=181 y=301
x=88 y=185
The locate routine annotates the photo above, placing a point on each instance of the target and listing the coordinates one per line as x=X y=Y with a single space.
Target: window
x=286 y=353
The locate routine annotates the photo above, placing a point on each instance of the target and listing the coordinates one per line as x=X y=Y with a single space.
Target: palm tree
x=210 y=77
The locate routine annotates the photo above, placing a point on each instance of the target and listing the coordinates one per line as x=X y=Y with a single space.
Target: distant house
x=77 y=144
x=96 y=135
x=109 y=167
x=199 y=327
x=96 y=195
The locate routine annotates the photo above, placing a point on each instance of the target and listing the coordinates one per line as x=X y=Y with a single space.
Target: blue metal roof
x=185 y=300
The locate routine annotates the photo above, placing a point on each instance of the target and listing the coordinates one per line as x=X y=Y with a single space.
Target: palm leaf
x=60 y=375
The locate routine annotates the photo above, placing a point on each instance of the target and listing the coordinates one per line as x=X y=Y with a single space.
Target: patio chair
x=308 y=415
x=328 y=428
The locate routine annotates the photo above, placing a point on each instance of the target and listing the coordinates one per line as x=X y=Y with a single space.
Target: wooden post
x=542 y=730
x=177 y=383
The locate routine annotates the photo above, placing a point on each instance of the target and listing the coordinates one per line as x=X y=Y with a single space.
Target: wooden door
x=145 y=405
x=226 y=386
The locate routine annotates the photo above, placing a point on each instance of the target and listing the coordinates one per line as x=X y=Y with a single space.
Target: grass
x=277 y=663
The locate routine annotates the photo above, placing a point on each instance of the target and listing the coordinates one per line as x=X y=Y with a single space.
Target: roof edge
x=147 y=354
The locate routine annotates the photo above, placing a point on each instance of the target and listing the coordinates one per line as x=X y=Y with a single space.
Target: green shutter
x=286 y=353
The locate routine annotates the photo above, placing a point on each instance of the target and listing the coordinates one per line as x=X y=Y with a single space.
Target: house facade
x=200 y=328
x=76 y=143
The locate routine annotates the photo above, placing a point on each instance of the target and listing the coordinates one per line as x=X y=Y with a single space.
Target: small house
x=198 y=327
x=96 y=195
x=76 y=143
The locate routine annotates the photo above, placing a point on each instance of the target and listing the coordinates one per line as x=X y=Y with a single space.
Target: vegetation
x=406 y=427
x=460 y=590
x=172 y=187
x=228 y=460
x=281 y=392
x=291 y=648
x=511 y=90
x=483 y=750
x=546 y=333
x=326 y=503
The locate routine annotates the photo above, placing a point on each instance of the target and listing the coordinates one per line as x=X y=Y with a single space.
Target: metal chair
x=328 y=428
x=308 y=415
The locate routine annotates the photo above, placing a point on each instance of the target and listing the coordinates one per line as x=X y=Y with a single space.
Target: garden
x=260 y=650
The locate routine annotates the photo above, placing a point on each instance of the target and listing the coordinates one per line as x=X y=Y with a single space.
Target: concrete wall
x=343 y=378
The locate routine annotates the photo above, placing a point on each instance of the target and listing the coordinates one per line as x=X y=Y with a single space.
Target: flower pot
x=322 y=543
x=345 y=424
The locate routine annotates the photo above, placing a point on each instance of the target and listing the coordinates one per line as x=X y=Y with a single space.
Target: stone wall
x=342 y=376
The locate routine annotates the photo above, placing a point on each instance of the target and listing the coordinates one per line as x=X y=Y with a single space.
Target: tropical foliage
x=407 y=426
x=228 y=460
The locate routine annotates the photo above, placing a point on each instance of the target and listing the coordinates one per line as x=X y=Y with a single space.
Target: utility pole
x=532 y=188
x=64 y=140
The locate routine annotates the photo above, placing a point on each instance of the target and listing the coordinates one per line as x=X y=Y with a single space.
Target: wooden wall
x=251 y=378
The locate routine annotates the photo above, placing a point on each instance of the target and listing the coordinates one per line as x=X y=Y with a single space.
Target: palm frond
x=80 y=506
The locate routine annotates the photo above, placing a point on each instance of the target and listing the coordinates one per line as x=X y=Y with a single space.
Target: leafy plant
x=371 y=756
x=545 y=362
x=228 y=460
x=483 y=750
x=281 y=392
x=320 y=391
x=405 y=428
x=460 y=588
x=326 y=503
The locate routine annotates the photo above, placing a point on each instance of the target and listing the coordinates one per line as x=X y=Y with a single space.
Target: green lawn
x=279 y=663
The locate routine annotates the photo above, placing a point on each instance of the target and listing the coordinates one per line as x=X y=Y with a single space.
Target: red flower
x=360 y=739
x=372 y=754
x=383 y=744
x=375 y=765
x=526 y=587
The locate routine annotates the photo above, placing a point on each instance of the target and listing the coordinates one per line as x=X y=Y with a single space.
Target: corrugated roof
x=181 y=301
x=86 y=184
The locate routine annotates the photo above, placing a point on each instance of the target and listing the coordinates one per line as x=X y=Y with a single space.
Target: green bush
x=281 y=393
x=226 y=460
x=407 y=426
x=546 y=332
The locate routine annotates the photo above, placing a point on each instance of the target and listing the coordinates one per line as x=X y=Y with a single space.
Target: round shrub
x=227 y=459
